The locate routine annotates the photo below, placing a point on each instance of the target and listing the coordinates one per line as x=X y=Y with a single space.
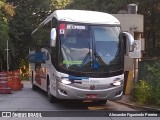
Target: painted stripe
x=37 y=57
x=76 y=78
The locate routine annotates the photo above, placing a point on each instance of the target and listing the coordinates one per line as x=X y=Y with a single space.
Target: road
x=29 y=100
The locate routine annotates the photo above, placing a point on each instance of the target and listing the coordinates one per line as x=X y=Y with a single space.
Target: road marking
x=101 y=108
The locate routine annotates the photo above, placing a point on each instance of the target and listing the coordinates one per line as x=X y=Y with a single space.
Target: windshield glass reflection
x=88 y=48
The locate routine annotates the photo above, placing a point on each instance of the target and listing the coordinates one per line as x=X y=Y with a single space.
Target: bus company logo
x=92 y=87
x=6 y=114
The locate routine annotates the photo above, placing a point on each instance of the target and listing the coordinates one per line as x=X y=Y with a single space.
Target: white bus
x=78 y=54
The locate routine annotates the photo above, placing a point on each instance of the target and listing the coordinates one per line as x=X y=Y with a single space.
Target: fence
x=143 y=65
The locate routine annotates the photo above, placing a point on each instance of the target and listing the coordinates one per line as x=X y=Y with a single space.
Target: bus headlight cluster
x=65 y=81
x=117 y=82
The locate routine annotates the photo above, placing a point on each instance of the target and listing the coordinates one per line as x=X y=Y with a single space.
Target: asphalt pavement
x=34 y=101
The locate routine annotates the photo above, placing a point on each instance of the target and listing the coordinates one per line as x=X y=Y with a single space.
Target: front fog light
x=117 y=82
x=65 y=81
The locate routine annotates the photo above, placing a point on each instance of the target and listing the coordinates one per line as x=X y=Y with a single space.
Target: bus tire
x=34 y=87
x=51 y=98
x=102 y=101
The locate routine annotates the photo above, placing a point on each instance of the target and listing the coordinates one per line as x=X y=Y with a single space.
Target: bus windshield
x=90 y=48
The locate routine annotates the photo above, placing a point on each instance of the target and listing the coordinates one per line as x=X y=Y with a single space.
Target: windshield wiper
x=84 y=60
x=104 y=66
x=99 y=58
x=86 y=57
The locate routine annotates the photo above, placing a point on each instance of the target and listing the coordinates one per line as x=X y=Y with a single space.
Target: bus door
x=40 y=71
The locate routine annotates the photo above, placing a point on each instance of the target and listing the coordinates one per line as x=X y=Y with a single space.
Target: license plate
x=93 y=81
x=91 y=96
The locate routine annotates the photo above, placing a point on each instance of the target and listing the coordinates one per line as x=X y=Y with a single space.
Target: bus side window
x=46 y=34
x=54 y=49
x=54 y=23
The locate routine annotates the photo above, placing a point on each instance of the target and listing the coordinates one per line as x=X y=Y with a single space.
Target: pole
x=7 y=57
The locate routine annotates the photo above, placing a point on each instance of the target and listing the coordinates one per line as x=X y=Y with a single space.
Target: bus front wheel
x=51 y=98
x=102 y=101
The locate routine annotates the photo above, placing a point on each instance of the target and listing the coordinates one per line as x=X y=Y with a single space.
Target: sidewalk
x=126 y=100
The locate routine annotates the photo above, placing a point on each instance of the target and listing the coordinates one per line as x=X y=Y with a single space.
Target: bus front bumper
x=70 y=92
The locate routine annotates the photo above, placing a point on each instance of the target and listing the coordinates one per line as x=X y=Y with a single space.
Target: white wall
x=130 y=23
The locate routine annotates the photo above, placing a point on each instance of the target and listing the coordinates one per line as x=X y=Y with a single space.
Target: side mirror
x=53 y=37
x=129 y=42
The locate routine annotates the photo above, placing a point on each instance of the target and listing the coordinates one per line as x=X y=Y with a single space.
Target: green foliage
x=23 y=63
x=143 y=92
x=24 y=69
x=148 y=8
x=61 y=4
x=154 y=80
x=6 y=12
x=109 y=6
x=29 y=13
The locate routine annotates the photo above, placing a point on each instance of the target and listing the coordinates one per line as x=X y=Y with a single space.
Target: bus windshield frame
x=90 y=49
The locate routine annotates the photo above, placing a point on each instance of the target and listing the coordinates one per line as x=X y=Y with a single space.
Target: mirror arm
x=129 y=37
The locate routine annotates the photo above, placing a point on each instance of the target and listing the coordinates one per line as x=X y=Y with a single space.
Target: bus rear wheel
x=34 y=87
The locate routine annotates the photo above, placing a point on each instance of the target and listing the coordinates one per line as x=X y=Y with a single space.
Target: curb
x=138 y=106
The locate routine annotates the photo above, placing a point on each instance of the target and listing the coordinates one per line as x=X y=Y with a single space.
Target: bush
x=142 y=92
x=24 y=77
x=154 y=80
x=148 y=90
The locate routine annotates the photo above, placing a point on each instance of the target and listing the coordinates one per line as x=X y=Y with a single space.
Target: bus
x=79 y=54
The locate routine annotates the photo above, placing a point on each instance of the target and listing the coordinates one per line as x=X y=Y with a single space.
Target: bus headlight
x=117 y=82
x=65 y=81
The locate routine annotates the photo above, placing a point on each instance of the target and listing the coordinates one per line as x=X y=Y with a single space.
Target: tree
x=109 y=6
x=28 y=15
x=149 y=8
x=6 y=12
x=60 y=4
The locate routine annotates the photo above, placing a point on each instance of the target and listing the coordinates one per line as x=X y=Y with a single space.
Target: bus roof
x=85 y=16
x=82 y=16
